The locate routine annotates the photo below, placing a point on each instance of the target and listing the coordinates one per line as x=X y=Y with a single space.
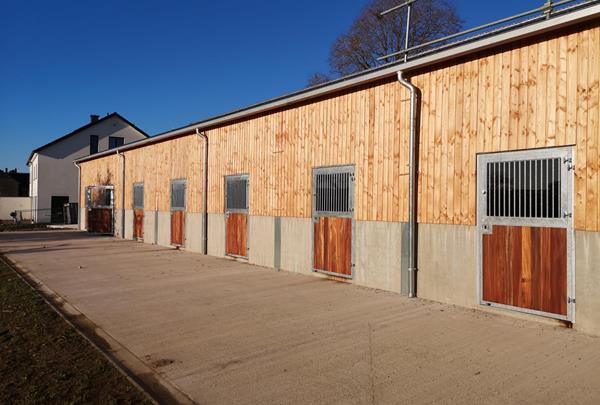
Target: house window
x=93 y=144
x=115 y=142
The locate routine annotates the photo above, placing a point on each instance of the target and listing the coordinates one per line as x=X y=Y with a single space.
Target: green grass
x=44 y=360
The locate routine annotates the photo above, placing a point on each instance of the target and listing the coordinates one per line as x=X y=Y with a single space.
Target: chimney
x=94 y=118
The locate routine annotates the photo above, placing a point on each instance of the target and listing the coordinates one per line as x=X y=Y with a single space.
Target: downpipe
x=78 y=194
x=412 y=180
x=122 y=156
x=205 y=192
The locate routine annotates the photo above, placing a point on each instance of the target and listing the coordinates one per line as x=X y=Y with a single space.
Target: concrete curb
x=152 y=384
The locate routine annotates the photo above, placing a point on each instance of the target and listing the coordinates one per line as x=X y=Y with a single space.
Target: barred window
x=178 y=195
x=333 y=190
x=236 y=190
x=138 y=196
x=524 y=188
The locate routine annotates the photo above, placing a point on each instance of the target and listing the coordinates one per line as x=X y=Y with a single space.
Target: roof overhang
x=534 y=29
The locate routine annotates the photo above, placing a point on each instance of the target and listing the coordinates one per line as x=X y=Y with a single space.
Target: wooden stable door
x=138 y=223
x=333 y=245
x=100 y=220
x=526 y=267
x=333 y=211
x=525 y=223
x=177 y=228
x=236 y=234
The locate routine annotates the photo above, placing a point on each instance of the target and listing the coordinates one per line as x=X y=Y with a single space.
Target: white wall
x=10 y=204
x=56 y=173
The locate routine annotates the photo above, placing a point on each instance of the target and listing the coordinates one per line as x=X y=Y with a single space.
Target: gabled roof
x=89 y=125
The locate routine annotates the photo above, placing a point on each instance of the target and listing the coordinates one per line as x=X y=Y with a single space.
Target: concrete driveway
x=226 y=332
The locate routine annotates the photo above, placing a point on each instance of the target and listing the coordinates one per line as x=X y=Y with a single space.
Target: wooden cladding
x=542 y=92
x=526 y=267
x=333 y=245
x=236 y=234
x=154 y=165
x=178 y=228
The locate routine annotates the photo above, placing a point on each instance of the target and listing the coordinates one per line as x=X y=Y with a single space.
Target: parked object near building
x=54 y=178
x=506 y=132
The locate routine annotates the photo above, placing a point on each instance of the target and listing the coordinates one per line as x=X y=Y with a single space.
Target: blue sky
x=163 y=64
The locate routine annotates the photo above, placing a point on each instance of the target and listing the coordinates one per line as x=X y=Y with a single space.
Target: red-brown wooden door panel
x=236 y=234
x=138 y=223
x=526 y=267
x=333 y=245
x=100 y=220
x=177 y=227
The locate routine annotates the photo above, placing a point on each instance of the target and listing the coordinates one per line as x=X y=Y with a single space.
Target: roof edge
x=86 y=126
x=580 y=15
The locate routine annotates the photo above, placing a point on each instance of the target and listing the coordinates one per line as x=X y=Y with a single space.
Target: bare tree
x=372 y=36
x=318 y=78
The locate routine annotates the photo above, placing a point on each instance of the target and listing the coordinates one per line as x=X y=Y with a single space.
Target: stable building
x=466 y=175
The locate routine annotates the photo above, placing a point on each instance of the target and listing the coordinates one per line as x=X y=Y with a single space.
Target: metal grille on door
x=525 y=225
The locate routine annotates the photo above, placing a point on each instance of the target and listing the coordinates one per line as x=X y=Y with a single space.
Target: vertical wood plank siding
x=154 y=165
x=539 y=93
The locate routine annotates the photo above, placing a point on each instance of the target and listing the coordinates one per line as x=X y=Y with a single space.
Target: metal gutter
x=78 y=194
x=122 y=156
x=556 y=22
x=412 y=185
x=205 y=192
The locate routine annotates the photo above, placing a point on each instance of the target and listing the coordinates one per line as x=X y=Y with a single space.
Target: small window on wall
x=115 y=142
x=178 y=195
x=236 y=193
x=138 y=196
x=93 y=144
x=333 y=190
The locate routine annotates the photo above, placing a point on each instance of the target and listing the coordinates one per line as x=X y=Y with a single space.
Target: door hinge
x=570 y=300
x=569 y=162
x=567 y=214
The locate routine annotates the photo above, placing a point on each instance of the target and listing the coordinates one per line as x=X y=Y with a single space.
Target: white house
x=53 y=179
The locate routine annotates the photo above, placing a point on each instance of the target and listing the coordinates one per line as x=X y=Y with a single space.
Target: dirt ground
x=44 y=360
x=226 y=332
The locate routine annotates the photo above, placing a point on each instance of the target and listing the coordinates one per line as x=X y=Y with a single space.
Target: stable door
x=236 y=215
x=525 y=224
x=333 y=220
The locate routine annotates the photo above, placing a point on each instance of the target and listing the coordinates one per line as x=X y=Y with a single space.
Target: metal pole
x=412 y=180
x=548 y=7
x=205 y=199
x=408 y=10
x=398 y=7
x=122 y=194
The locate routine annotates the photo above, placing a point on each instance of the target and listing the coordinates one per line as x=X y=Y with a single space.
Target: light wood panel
x=539 y=93
x=154 y=165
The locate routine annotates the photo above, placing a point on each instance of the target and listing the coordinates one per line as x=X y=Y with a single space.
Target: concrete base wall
x=296 y=244
x=128 y=224
x=150 y=227
x=216 y=235
x=117 y=223
x=82 y=218
x=378 y=254
x=447 y=263
x=261 y=241
x=587 y=282
x=164 y=228
x=193 y=232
